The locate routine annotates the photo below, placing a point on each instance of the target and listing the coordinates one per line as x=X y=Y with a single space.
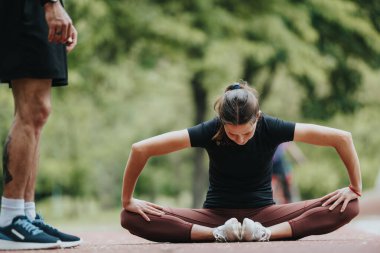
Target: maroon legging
x=305 y=218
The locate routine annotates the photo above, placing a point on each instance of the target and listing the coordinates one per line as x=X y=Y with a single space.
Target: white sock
x=10 y=208
x=30 y=210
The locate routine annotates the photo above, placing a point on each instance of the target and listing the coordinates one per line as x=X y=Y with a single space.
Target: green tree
x=139 y=63
x=315 y=43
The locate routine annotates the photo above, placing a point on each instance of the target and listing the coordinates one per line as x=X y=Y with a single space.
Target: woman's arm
x=344 y=145
x=140 y=153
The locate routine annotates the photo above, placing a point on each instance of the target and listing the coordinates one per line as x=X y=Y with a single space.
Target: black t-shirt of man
x=240 y=175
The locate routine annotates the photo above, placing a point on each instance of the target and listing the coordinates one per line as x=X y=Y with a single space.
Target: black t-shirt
x=240 y=175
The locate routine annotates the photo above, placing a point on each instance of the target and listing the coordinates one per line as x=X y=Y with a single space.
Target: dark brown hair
x=238 y=105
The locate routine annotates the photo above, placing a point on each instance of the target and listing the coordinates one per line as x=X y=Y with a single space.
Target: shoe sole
x=12 y=245
x=70 y=244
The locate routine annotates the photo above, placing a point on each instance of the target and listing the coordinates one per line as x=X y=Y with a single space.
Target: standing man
x=35 y=36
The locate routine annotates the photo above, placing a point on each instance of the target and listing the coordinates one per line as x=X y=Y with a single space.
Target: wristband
x=354 y=191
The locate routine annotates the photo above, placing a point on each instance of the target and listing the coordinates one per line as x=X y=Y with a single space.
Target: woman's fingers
x=337 y=202
x=328 y=196
x=149 y=210
x=155 y=206
x=342 y=196
x=345 y=203
x=154 y=211
x=331 y=199
x=144 y=208
x=143 y=215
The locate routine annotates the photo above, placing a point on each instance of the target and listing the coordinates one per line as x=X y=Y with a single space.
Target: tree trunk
x=251 y=69
x=267 y=87
x=200 y=171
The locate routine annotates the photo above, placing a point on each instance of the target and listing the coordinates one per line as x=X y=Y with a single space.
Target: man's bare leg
x=20 y=157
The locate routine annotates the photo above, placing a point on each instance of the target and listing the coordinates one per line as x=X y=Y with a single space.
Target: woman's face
x=240 y=134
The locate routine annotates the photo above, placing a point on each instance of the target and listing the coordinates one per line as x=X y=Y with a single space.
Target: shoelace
x=29 y=227
x=41 y=222
x=219 y=237
x=264 y=237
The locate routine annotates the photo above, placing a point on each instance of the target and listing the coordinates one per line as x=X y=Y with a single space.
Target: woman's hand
x=344 y=195
x=143 y=207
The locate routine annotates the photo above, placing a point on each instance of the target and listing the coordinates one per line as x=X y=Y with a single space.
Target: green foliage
x=131 y=72
x=324 y=172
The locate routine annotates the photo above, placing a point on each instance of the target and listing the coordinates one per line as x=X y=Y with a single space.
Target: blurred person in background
x=284 y=187
x=36 y=36
x=239 y=206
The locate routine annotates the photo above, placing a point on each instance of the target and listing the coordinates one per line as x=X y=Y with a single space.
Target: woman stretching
x=239 y=206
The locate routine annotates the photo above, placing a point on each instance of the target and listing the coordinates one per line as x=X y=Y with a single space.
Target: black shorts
x=25 y=51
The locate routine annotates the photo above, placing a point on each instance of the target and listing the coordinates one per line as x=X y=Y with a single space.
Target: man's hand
x=72 y=40
x=61 y=29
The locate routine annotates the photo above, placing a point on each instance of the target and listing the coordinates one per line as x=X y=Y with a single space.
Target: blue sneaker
x=22 y=234
x=67 y=240
x=4 y=238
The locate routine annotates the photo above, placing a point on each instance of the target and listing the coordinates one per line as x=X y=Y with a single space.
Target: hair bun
x=234 y=86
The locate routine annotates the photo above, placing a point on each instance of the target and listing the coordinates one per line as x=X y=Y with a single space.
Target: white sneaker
x=229 y=232
x=254 y=231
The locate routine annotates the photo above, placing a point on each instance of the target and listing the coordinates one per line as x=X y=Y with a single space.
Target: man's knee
x=42 y=114
x=32 y=100
x=35 y=112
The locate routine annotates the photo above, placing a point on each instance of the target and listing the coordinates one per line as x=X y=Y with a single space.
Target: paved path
x=362 y=235
x=353 y=238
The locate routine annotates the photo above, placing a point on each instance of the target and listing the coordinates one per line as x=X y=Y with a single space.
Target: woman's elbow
x=344 y=138
x=137 y=148
x=347 y=137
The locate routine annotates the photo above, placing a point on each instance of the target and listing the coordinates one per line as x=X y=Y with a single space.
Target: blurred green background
x=145 y=67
